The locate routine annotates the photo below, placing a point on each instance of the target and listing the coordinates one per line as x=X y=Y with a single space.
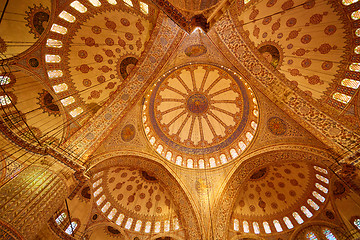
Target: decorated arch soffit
x=241 y=174
x=164 y=38
x=159 y=181
x=238 y=48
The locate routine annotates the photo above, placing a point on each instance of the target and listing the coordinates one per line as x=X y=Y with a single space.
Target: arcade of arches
x=179 y=120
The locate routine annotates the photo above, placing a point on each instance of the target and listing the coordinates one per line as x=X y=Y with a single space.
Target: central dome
x=200 y=115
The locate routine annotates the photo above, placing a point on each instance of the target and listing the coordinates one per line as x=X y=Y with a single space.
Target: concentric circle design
x=200 y=115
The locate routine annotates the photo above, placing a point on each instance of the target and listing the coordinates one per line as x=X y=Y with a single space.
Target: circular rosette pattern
x=200 y=115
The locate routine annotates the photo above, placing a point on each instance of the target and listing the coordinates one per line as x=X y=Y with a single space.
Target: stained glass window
x=318 y=196
x=55 y=73
x=212 y=162
x=313 y=204
x=201 y=163
x=166 y=226
x=95 y=3
x=67 y=101
x=176 y=224
x=128 y=2
x=223 y=159
x=4 y=80
x=105 y=207
x=159 y=149
x=341 y=97
x=112 y=2
x=355 y=67
x=357 y=50
x=157 y=227
x=100 y=200
x=120 y=219
x=254 y=125
x=138 y=225
x=168 y=156
x=58 y=29
x=71 y=228
x=190 y=163
x=306 y=211
x=49 y=58
x=242 y=145
x=328 y=234
x=355 y=15
x=144 y=8
x=60 y=218
x=249 y=136
x=179 y=160
x=246 y=227
x=357 y=223
x=233 y=153
x=311 y=236
x=53 y=43
x=348 y=2
x=267 y=227
x=112 y=213
x=97 y=183
x=350 y=83
x=5 y=100
x=321 y=178
x=256 y=228
x=319 y=169
x=152 y=140
x=236 y=225
x=256 y=113
x=60 y=87
x=78 y=6
x=128 y=223
x=76 y=111
x=67 y=16
x=277 y=226
x=298 y=218
x=148 y=227
x=147 y=130
x=288 y=223
x=357 y=32
x=321 y=187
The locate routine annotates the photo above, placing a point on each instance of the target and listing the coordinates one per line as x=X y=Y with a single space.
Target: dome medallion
x=200 y=115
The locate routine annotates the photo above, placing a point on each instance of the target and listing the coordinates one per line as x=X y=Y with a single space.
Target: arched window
x=311 y=236
x=348 y=2
x=128 y=223
x=256 y=228
x=147 y=227
x=355 y=67
x=319 y=169
x=328 y=234
x=5 y=100
x=144 y=8
x=321 y=188
x=112 y=213
x=157 y=227
x=53 y=43
x=288 y=223
x=138 y=225
x=67 y=16
x=4 y=80
x=246 y=227
x=321 y=178
x=313 y=204
x=318 y=196
x=350 y=83
x=357 y=223
x=167 y=226
x=355 y=15
x=236 y=225
x=277 y=226
x=95 y=3
x=266 y=227
x=106 y=207
x=60 y=218
x=58 y=29
x=341 y=97
x=298 y=218
x=128 y=2
x=120 y=219
x=71 y=228
x=112 y=2
x=78 y=6
x=306 y=211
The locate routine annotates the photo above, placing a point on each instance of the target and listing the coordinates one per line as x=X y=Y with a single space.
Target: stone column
x=28 y=201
